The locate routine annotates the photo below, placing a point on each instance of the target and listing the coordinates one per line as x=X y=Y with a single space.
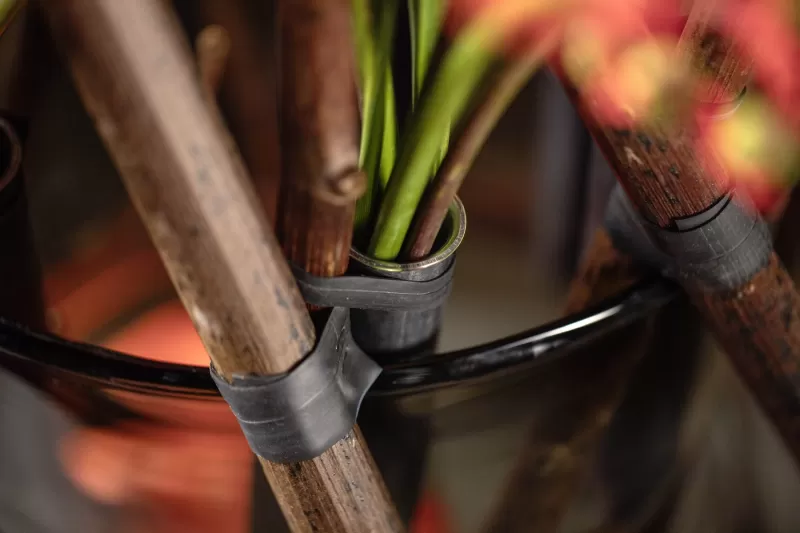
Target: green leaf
x=462 y=69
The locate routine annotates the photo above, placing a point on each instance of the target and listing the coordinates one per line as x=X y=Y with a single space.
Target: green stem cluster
x=440 y=96
x=460 y=73
x=379 y=122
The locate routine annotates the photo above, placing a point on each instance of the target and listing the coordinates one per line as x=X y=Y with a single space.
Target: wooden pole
x=666 y=180
x=758 y=322
x=320 y=182
x=319 y=119
x=137 y=79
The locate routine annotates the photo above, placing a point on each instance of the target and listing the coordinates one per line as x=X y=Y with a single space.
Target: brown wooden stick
x=136 y=77
x=313 y=55
x=711 y=56
x=758 y=322
x=667 y=180
x=319 y=136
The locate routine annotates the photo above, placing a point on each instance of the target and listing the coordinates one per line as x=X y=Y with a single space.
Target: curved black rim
x=40 y=353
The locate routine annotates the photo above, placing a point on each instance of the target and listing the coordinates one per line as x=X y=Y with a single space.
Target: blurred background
x=689 y=451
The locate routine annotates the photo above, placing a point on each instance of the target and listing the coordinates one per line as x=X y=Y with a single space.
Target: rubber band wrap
x=719 y=249
x=298 y=415
x=370 y=292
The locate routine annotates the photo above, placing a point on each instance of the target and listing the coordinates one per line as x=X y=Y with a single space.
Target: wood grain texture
x=136 y=77
x=315 y=234
x=759 y=327
x=757 y=322
x=319 y=121
x=760 y=331
x=665 y=178
x=658 y=164
x=315 y=496
x=661 y=172
x=319 y=135
x=726 y=71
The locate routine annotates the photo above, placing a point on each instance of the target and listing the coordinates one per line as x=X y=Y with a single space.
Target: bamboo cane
x=661 y=172
x=319 y=135
x=320 y=182
x=759 y=322
x=136 y=78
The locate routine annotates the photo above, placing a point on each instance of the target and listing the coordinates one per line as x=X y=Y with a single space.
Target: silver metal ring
x=419 y=270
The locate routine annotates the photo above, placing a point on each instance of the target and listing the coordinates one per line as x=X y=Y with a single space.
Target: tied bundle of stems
x=459 y=89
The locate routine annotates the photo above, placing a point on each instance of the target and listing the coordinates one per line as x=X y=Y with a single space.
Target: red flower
x=622 y=55
x=754 y=147
x=764 y=32
x=620 y=20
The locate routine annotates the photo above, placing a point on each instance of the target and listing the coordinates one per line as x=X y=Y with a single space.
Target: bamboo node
x=343 y=189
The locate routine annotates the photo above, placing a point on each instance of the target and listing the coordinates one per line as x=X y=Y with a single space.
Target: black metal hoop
x=28 y=353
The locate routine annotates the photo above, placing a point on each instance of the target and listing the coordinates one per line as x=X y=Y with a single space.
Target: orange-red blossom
x=623 y=57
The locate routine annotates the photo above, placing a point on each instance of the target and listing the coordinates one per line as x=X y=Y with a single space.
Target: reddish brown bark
x=136 y=78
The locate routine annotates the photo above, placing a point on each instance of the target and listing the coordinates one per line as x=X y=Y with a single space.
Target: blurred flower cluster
x=628 y=60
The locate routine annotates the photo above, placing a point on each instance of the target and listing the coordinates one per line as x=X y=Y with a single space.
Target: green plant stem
x=365 y=50
x=389 y=144
x=462 y=70
x=425 y=18
x=378 y=133
x=503 y=88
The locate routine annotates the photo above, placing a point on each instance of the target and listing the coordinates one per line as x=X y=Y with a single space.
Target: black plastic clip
x=374 y=293
x=721 y=248
x=298 y=415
